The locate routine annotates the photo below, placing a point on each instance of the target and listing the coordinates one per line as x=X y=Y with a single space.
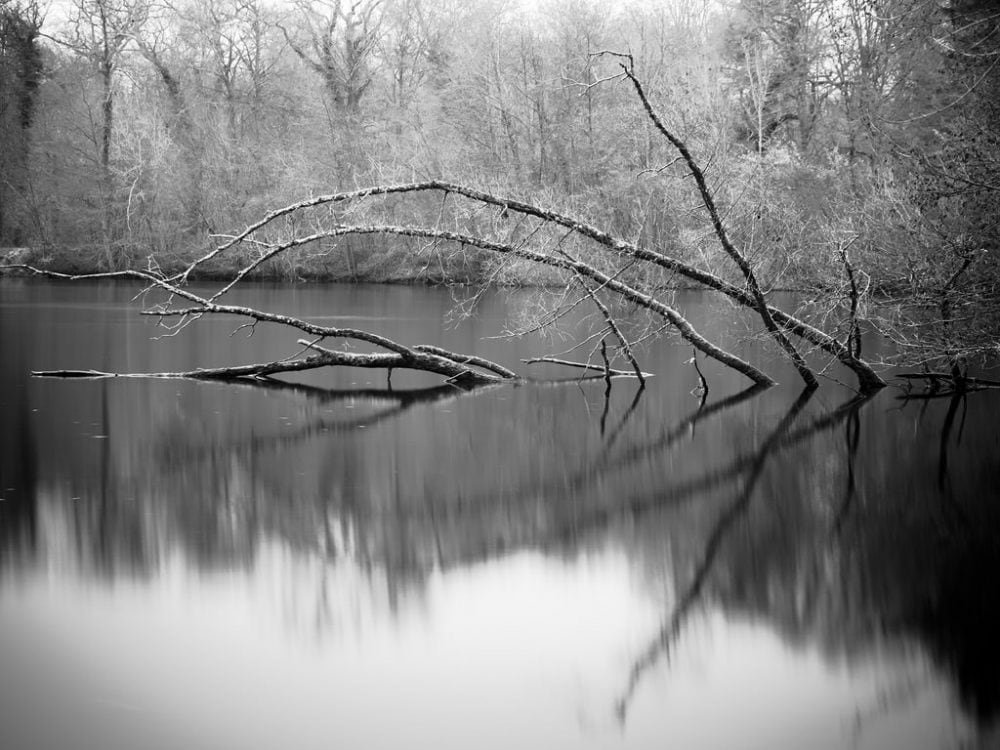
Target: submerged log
x=457 y=368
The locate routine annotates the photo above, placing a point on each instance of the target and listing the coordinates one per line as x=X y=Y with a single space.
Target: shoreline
x=68 y=262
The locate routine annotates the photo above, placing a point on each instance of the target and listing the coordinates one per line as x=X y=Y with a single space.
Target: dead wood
x=868 y=379
x=467 y=359
x=455 y=367
x=625 y=291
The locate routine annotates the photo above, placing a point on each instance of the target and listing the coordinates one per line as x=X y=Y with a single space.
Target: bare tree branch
x=868 y=379
x=760 y=304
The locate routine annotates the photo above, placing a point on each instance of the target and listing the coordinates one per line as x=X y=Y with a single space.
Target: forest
x=848 y=148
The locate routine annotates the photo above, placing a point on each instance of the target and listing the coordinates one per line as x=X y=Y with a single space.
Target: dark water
x=200 y=565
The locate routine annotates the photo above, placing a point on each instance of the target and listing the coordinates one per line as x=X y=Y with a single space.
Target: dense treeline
x=856 y=135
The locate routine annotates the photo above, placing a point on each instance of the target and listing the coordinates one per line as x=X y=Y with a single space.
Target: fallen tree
x=550 y=239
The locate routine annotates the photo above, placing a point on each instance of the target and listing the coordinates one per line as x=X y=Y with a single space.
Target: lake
x=340 y=563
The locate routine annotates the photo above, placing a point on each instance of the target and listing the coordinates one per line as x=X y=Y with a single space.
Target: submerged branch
x=467 y=359
x=414 y=360
x=324 y=358
x=432 y=359
x=455 y=372
x=588 y=366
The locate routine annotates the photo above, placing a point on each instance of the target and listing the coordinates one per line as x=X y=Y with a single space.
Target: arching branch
x=627 y=292
x=868 y=379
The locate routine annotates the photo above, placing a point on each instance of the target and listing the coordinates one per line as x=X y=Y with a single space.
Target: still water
x=342 y=564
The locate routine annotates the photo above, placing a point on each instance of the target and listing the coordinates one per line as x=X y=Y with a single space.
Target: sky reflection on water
x=525 y=651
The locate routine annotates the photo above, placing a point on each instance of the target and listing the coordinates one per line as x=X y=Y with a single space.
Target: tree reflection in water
x=813 y=543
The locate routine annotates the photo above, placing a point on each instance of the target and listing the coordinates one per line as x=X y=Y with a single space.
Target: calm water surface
x=338 y=564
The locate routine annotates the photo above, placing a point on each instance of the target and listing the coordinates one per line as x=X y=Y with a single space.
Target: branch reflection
x=372 y=492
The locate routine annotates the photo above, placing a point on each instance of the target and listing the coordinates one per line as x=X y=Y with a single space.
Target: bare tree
x=233 y=40
x=407 y=45
x=21 y=70
x=341 y=37
x=760 y=67
x=101 y=31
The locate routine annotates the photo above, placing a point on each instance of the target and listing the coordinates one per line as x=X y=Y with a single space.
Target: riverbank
x=388 y=266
